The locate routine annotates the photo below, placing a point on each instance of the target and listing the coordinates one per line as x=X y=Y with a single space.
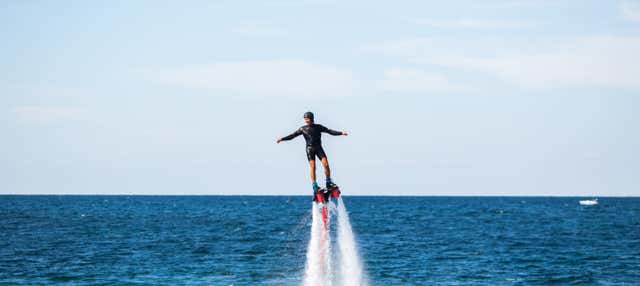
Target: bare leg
x=325 y=164
x=312 y=169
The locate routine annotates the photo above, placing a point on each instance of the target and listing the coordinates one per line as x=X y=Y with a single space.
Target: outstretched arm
x=290 y=136
x=333 y=132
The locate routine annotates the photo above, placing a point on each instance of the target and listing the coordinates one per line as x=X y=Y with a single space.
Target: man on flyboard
x=312 y=132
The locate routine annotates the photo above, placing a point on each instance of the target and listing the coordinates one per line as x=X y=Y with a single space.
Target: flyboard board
x=322 y=197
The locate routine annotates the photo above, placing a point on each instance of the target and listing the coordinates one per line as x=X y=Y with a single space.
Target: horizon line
x=300 y=195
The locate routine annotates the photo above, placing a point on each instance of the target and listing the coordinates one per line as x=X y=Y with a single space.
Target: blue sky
x=188 y=97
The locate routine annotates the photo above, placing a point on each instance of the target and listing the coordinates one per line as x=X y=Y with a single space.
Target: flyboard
x=321 y=197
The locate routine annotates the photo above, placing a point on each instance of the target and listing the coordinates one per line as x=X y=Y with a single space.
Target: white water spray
x=351 y=273
x=319 y=269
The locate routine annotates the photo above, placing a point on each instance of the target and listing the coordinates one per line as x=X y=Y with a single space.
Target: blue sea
x=256 y=240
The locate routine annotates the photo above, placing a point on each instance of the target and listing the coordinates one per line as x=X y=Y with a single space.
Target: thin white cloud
x=46 y=91
x=408 y=47
x=604 y=61
x=529 y=3
x=468 y=24
x=631 y=11
x=283 y=77
x=406 y=80
x=298 y=3
x=257 y=30
x=417 y=48
x=590 y=62
x=47 y=113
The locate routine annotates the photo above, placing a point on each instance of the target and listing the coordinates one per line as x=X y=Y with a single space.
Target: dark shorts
x=313 y=151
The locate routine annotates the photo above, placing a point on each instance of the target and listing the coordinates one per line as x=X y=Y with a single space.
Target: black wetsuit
x=312 y=134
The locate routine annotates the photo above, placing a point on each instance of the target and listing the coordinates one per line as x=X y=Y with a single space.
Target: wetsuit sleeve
x=332 y=132
x=292 y=135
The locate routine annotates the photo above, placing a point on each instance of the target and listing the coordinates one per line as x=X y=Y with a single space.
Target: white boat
x=589 y=202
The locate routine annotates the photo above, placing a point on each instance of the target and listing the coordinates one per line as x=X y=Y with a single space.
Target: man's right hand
x=278 y=140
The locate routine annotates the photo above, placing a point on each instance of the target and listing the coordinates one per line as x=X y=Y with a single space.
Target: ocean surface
x=253 y=240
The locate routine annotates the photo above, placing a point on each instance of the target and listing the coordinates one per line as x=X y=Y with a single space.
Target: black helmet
x=309 y=115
